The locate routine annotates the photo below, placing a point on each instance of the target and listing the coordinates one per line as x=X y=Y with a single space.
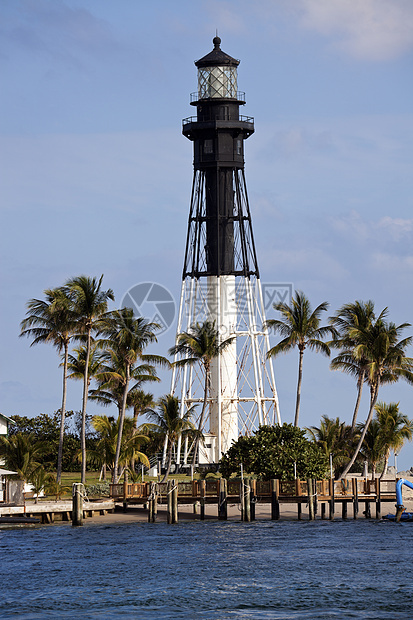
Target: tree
x=396 y=428
x=386 y=363
x=141 y=402
x=89 y=303
x=300 y=327
x=39 y=480
x=104 y=454
x=46 y=430
x=52 y=321
x=22 y=453
x=200 y=345
x=373 y=448
x=272 y=453
x=76 y=362
x=126 y=337
x=349 y=320
x=168 y=422
x=336 y=438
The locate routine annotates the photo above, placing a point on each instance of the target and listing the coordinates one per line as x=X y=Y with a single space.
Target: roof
x=217 y=57
x=6 y=472
x=6 y=418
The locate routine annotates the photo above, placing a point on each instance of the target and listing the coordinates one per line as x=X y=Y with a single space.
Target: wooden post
x=169 y=486
x=253 y=493
x=150 y=505
x=275 y=503
x=344 y=509
x=311 y=512
x=175 y=501
x=153 y=503
x=77 y=506
x=323 y=510
x=331 y=502
x=378 y=498
x=241 y=497
x=222 y=500
x=202 y=485
x=315 y=497
x=355 y=490
x=246 y=500
x=298 y=494
x=367 y=511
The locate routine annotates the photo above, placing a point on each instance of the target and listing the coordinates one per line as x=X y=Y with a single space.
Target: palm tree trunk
x=201 y=417
x=300 y=377
x=356 y=408
x=386 y=464
x=121 y=420
x=168 y=467
x=134 y=431
x=62 y=416
x=373 y=401
x=84 y=404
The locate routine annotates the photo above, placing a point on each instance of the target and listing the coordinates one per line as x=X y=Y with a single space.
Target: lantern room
x=217 y=74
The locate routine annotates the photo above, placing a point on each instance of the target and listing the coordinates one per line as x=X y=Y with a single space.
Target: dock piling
x=311 y=503
x=222 y=506
x=77 y=506
x=275 y=503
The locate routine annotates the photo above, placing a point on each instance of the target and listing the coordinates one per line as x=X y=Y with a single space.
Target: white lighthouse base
x=242 y=393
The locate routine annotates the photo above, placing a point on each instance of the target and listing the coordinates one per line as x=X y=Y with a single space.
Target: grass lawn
x=68 y=478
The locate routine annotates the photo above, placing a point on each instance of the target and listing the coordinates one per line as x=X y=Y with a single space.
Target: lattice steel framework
x=220 y=279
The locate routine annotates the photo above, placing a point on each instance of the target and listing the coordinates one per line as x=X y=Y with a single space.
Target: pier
x=325 y=499
x=50 y=511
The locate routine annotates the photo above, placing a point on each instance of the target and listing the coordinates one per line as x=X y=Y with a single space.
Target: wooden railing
x=325 y=489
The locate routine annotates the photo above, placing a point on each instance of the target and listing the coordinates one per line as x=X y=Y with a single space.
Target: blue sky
x=96 y=175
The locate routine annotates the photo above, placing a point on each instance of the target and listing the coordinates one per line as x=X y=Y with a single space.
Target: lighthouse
x=220 y=279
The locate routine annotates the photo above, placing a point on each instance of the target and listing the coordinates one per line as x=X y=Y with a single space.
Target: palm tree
x=105 y=452
x=126 y=337
x=373 y=448
x=386 y=363
x=140 y=401
x=300 y=327
x=200 y=345
x=21 y=453
x=349 y=319
x=333 y=437
x=395 y=426
x=52 y=321
x=168 y=421
x=76 y=362
x=90 y=302
x=39 y=480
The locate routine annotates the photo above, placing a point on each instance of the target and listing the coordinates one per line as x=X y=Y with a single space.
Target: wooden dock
x=324 y=498
x=50 y=511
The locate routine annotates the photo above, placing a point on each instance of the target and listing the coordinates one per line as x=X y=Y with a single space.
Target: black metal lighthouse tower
x=220 y=275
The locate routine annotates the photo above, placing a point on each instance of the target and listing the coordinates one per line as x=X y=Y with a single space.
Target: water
x=209 y=570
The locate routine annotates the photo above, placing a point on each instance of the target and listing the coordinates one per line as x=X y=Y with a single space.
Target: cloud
x=397 y=228
x=374 y=30
x=397 y=265
x=386 y=229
